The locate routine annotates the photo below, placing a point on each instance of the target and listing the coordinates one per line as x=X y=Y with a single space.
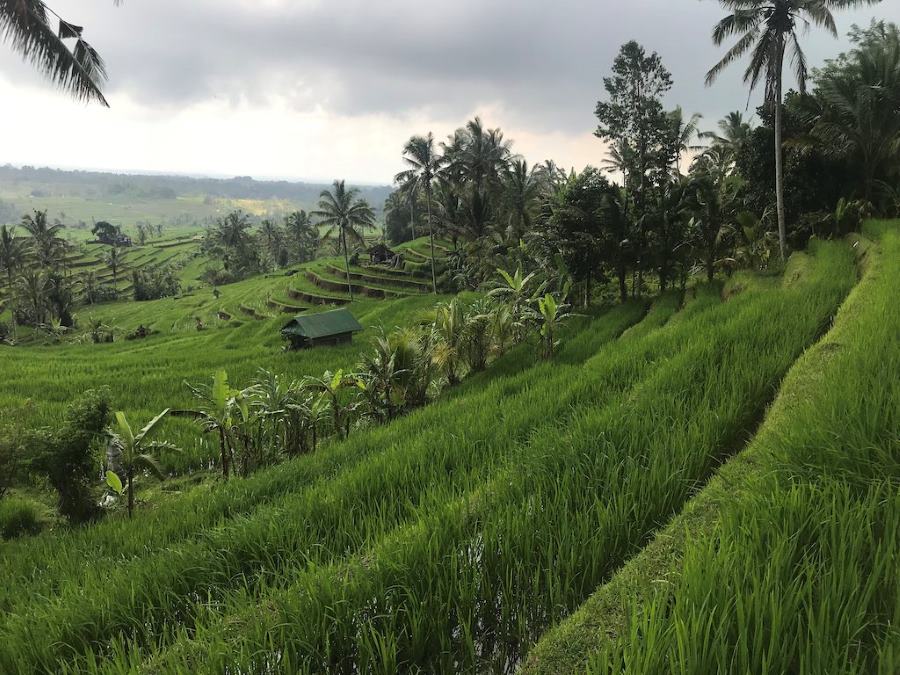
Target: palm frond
x=25 y=25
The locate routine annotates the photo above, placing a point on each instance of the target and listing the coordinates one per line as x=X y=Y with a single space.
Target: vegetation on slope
x=787 y=560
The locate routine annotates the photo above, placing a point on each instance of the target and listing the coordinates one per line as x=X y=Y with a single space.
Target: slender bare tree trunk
x=412 y=214
x=779 y=158
x=347 y=262
x=431 y=235
x=12 y=303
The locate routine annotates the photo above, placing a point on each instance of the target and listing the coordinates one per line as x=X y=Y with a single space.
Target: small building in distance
x=380 y=254
x=324 y=328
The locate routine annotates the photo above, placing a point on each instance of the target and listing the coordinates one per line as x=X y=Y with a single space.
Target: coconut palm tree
x=767 y=29
x=734 y=132
x=683 y=133
x=303 y=235
x=521 y=188
x=32 y=288
x=13 y=252
x=476 y=159
x=47 y=242
x=27 y=26
x=856 y=110
x=347 y=217
x=424 y=162
x=409 y=191
x=550 y=177
x=114 y=261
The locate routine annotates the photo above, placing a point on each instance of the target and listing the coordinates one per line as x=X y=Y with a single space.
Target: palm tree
x=766 y=28
x=113 y=261
x=346 y=216
x=26 y=25
x=683 y=132
x=47 y=242
x=618 y=159
x=549 y=176
x=476 y=159
x=32 y=287
x=424 y=163
x=521 y=188
x=13 y=252
x=734 y=132
x=857 y=106
x=516 y=291
x=303 y=235
x=409 y=190
x=273 y=238
x=329 y=388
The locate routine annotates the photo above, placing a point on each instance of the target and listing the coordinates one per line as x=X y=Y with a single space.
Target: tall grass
x=787 y=562
x=382 y=474
x=471 y=578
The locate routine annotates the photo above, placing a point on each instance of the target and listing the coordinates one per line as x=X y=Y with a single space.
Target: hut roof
x=379 y=248
x=323 y=324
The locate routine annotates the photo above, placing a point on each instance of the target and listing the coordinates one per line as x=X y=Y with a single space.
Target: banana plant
x=134 y=453
x=222 y=411
x=330 y=388
x=550 y=316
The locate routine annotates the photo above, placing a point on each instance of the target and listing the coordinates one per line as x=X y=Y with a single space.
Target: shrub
x=18 y=517
x=67 y=456
x=153 y=284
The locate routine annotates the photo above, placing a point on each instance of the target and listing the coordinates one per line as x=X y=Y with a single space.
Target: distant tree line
x=683 y=201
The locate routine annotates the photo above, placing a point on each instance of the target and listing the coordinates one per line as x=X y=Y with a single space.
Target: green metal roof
x=323 y=324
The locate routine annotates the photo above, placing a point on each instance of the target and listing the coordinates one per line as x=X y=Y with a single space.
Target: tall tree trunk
x=779 y=158
x=346 y=262
x=412 y=215
x=12 y=301
x=587 y=290
x=431 y=236
x=623 y=284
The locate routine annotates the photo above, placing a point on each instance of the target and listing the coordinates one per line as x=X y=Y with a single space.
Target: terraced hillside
x=91 y=259
x=237 y=326
x=297 y=289
x=452 y=538
x=787 y=561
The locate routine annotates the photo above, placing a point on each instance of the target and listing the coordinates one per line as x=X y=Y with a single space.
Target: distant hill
x=125 y=199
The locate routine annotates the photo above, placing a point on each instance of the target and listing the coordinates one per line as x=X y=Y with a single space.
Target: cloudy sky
x=316 y=89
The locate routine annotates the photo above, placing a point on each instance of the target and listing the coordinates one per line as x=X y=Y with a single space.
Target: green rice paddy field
x=241 y=333
x=706 y=483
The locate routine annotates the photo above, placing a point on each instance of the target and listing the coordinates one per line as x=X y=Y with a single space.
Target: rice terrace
x=631 y=410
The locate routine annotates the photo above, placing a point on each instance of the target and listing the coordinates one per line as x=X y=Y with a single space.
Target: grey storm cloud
x=543 y=62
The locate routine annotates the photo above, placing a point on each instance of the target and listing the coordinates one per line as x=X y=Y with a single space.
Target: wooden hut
x=379 y=254
x=324 y=328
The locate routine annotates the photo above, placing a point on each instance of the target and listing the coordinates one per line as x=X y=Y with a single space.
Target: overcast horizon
x=309 y=91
